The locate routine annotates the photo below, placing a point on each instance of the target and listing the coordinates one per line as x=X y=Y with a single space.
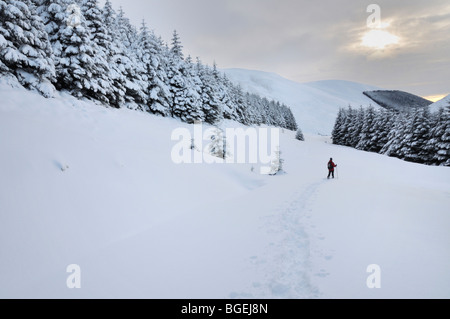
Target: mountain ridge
x=314 y=104
x=397 y=100
x=440 y=104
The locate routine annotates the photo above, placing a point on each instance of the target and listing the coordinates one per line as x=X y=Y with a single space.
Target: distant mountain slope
x=397 y=100
x=315 y=105
x=440 y=104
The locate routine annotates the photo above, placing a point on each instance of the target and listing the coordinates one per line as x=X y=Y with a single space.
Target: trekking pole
x=337 y=173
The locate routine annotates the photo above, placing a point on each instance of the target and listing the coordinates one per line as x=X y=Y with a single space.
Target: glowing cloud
x=379 y=39
x=435 y=98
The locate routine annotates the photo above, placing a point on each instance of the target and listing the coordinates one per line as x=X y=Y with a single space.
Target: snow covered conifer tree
x=180 y=83
x=356 y=127
x=347 y=128
x=337 y=135
x=299 y=136
x=79 y=69
x=95 y=24
x=440 y=133
x=99 y=35
x=239 y=102
x=55 y=17
x=193 y=95
x=177 y=48
x=25 y=50
x=115 y=55
x=277 y=163
x=291 y=123
x=382 y=127
x=109 y=15
x=417 y=137
x=352 y=126
x=255 y=109
x=157 y=90
x=211 y=106
x=123 y=62
x=396 y=138
x=217 y=147
x=367 y=141
x=229 y=109
x=128 y=34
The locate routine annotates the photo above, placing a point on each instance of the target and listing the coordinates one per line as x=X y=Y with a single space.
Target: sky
x=396 y=44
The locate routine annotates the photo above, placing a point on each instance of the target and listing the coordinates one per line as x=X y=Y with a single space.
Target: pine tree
x=416 y=148
x=347 y=127
x=96 y=25
x=229 y=108
x=109 y=16
x=383 y=125
x=337 y=135
x=299 y=136
x=128 y=82
x=78 y=69
x=277 y=163
x=153 y=73
x=395 y=147
x=217 y=146
x=55 y=17
x=356 y=127
x=111 y=80
x=115 y=55
x=211 y=106
x=25 y=50
x=193 y=94
x=177 y=48
x=440 y=138
x=184 y=104
x=127 y=33
x=367 y=141
x=290 y=120
x=239 y=102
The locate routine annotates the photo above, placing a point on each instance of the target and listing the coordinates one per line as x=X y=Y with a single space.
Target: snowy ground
x=96 y=187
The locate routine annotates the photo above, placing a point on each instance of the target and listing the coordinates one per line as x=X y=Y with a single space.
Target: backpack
x=330 y=165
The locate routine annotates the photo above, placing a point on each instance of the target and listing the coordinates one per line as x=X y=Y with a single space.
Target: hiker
x=331 y=167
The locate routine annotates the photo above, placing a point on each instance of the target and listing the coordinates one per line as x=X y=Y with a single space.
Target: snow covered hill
x=445 y=102
x=96 y=187
x=315 y=105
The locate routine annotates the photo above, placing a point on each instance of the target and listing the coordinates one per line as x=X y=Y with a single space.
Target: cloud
x=306 y=41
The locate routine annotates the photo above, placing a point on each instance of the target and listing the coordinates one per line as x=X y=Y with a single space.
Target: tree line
x=96 y=53
x=417 y=135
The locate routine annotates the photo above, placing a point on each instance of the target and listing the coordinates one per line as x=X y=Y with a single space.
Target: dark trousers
x=331 y=173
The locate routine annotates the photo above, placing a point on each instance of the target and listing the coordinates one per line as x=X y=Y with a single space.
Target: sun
x=379 y=39
x=435 y=98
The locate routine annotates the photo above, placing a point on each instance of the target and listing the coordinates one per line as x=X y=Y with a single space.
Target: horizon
x=306 y=43
x=432 y=98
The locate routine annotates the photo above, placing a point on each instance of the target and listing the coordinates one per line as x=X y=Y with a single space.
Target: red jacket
x=331 y=166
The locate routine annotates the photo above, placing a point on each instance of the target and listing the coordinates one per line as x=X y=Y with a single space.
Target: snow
x=440 y=104
x=3 y=42
x=315 y=105
x=87 y=185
